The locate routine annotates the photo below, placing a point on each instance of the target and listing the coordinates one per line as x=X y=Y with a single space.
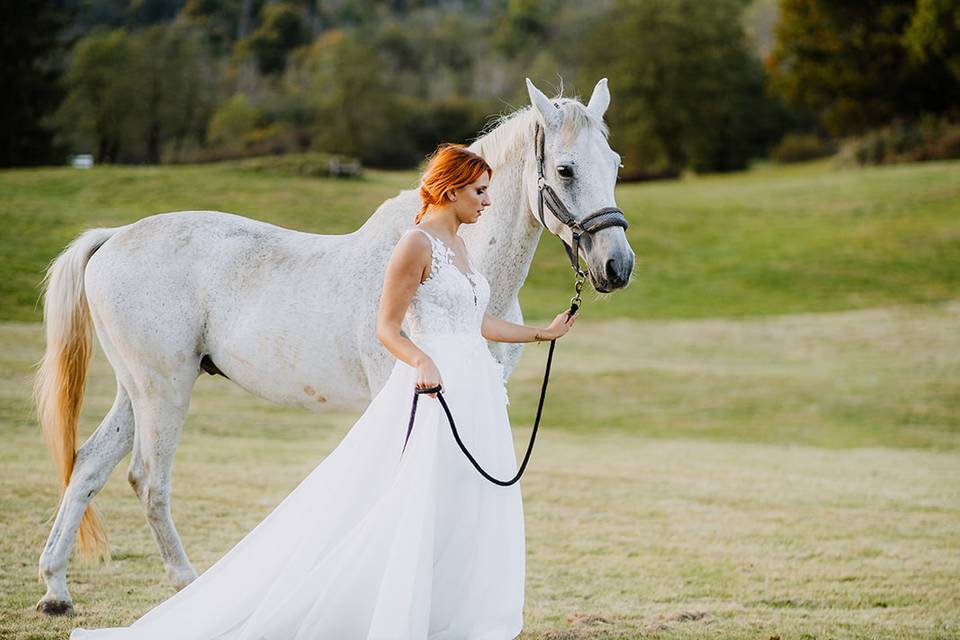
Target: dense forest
x=703 y=85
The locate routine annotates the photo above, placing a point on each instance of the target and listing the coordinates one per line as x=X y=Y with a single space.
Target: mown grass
x=690 y=522
x=770 y=241
x=881 y=377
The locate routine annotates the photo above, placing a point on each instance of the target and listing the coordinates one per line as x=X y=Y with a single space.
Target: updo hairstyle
x=451 y=167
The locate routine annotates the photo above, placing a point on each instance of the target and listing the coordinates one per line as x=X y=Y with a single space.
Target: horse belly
x=292 y=360
x=292 y=338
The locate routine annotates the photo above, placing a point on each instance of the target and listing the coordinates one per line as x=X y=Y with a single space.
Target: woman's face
x=471 y=200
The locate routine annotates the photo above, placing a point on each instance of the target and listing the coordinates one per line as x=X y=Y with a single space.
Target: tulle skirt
x=372 y=544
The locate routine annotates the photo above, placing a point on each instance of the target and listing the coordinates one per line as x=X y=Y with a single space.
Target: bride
x=381 y=541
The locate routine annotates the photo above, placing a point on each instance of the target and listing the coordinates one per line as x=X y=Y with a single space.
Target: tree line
x=696 y=85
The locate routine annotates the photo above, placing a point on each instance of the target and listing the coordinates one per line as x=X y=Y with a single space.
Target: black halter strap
x=591 y=223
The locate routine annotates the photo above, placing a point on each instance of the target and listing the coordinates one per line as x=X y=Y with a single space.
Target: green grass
x=704 y=517
x=41 y=210
x=784 y=240
x=769 y=241
x=881 y=377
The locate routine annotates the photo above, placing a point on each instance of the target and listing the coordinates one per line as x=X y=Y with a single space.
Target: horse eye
x=565 y=171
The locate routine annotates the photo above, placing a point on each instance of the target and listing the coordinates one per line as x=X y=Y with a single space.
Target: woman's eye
x=565 y=171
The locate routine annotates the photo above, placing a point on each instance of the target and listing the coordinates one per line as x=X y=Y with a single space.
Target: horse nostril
x=612 y=276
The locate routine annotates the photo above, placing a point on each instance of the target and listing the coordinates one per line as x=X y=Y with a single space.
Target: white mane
x=507 y=135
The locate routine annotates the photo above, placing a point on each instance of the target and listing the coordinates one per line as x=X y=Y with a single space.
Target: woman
x=383 y=540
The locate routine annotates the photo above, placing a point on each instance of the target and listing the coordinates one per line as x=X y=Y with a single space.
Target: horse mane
x=503 y=139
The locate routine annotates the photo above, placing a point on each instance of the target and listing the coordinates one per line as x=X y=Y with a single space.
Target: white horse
x=288 y=316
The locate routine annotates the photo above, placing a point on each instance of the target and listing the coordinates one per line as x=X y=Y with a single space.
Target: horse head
x=580 y=169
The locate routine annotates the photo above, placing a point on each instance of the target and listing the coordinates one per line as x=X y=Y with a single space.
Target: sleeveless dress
x=373 y=544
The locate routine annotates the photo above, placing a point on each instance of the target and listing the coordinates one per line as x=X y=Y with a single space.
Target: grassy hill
x=769 y=241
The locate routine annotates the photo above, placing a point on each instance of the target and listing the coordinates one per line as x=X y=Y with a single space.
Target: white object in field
x=81 y=161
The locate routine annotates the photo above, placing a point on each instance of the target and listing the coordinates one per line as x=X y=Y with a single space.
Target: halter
x=591 y=223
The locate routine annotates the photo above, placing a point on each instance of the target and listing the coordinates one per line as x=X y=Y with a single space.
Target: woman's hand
x=499 y=330
x=428 y=376
x=559 y=327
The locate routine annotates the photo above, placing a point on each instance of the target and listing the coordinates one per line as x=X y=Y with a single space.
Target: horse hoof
x=55 y=607
x=183 y=579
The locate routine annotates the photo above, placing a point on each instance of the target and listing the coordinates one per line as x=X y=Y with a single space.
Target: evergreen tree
x=30 y=51
x=859 y=65
x=687 y=90
x=106 y=98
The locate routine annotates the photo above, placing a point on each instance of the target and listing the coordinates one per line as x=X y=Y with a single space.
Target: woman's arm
x=407 y=265
x=500 y=330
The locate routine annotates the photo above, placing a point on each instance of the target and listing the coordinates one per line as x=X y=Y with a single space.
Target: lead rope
x=453 y=427
x=574 y=306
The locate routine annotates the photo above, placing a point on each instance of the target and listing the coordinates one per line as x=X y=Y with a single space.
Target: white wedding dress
x=372 y=544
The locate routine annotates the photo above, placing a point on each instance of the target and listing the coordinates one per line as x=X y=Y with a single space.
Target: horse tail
x=61 y=377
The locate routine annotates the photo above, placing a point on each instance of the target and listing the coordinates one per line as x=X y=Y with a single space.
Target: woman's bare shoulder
x=413 y=248
x=415 y=240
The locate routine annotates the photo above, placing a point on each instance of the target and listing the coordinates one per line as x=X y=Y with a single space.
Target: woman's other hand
x=559 y=327
x=428 y=376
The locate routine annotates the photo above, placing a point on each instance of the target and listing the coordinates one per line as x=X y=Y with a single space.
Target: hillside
x=769 y=241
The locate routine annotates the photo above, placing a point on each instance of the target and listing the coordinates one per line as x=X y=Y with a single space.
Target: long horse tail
x=61 y=377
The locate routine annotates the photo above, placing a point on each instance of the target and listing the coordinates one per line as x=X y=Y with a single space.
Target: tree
x=129 y=95
x=178 y=86
x=29 y=47
x=523 y=25
x=934 y=33
x=851 y=62
x=222 y=20
x=233 y=122
x=356 y=114
x=687 y=90
x=105 y=97
x=281 y=30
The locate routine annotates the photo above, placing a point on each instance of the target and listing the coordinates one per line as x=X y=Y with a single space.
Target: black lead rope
x=456 y=435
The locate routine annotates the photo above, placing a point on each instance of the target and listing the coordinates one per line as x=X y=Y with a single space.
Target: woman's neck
x=444 y=220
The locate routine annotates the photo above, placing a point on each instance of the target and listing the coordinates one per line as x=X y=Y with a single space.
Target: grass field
x=772 y=241
x=758 y=439
x=693 y=521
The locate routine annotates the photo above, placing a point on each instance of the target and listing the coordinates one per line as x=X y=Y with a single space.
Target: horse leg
x=160 y=417
x=98 y=456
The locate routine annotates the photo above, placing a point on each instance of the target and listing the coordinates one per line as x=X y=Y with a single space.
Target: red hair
x=451 y=167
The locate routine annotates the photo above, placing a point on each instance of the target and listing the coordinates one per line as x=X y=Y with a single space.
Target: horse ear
x=548 y=111
x=600 y=99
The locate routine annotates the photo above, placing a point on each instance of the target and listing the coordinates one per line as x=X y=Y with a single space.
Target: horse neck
x=505 y=240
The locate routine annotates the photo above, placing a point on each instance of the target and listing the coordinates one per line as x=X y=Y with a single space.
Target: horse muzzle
x=609 y=259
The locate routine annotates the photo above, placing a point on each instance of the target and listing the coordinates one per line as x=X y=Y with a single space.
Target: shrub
x=925 y=139
x=797 y=147
x=233 y=121
x=303 y=164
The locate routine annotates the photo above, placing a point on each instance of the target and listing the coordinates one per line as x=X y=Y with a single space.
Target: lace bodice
x=449 y=300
